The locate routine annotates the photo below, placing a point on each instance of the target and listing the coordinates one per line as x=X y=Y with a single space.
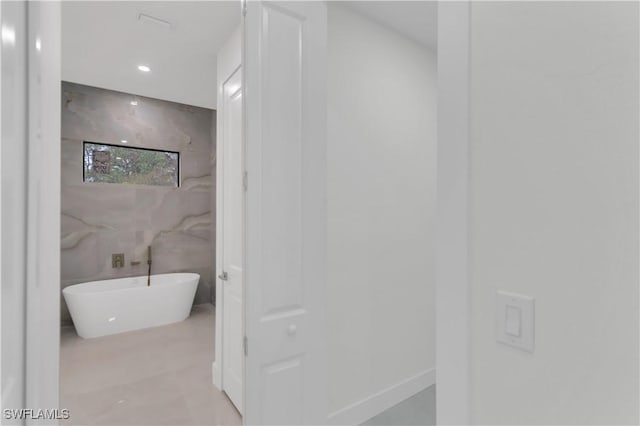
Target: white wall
x=554 y=209
x=381 y=206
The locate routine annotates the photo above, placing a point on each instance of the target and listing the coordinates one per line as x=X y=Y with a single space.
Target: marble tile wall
x=99 y=219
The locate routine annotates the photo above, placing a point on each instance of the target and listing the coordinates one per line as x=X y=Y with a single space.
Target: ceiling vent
x=148 y=19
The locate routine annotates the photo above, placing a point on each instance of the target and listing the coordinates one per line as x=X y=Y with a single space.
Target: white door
x=232 y=238
x=284 y=65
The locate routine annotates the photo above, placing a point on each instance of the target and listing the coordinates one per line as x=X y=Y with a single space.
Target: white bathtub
x=100 y=308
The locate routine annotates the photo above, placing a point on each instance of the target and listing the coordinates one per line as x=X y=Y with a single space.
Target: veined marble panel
x=98 y=220
x=156 y=209
x=100 y=115
x=99 y=206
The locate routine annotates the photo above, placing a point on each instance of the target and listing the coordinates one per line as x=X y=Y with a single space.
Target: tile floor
x=419 y=410
x=157 y=376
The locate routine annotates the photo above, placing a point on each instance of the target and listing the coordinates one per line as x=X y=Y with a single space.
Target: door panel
x=285 y=73
x=282 y=384
x=282 y=42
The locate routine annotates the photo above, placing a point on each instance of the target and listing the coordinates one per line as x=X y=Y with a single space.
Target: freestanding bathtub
x=100 y=308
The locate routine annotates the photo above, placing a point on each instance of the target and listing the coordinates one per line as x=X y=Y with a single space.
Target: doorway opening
x=151 y=213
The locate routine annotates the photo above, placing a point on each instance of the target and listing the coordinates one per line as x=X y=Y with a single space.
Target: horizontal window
x=104 y=163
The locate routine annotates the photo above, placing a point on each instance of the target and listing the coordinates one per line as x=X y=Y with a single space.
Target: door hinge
x=245 y=181
x=244 y=7
x=245 y=344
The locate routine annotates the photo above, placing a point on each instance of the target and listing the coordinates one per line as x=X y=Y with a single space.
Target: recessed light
x=123 y=141
x=144 y=68
x=134 y=103
x=38 y=44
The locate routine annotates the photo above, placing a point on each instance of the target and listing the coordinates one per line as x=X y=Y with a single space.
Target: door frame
x=452 y=232
x=13 y=144
x=37 y=39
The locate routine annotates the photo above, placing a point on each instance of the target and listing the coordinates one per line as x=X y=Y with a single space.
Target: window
x=104 y=163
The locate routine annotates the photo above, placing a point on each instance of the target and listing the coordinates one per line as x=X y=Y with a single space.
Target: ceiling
x=416 y=20
x=104 y=42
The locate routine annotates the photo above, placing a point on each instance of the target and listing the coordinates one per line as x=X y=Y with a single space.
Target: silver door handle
x=223 y=276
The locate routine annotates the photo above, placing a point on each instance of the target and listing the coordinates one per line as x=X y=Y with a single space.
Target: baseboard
x=214 y=375
x=361 y=411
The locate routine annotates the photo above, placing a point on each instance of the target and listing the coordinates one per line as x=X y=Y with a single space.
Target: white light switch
x=515 y=320
x=514 y=315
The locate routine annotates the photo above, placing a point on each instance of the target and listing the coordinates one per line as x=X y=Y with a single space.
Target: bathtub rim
x=70 y=290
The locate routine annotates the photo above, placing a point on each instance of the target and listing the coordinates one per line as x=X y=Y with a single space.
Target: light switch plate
x=513 y=324
x=515 y=320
